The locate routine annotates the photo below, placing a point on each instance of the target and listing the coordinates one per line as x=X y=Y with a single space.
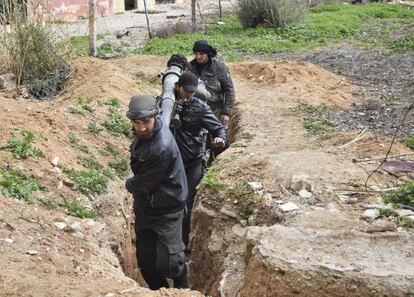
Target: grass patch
x=49 y=202
x=406 y=223
x=118 y=124
x=76 y=143
x=16 y=184
x=316 y=121
x=111 y=149
x=410 y=142
x=245 y=197
x=211 y=180
x=80 y=45
x=88 y=182
x=121 y=167
x=404 y=195
x=403 y=44
x=387 y=212
x=113 y=102
x=83 y=107
x=94 y=128
x=21 y=145
x=78 y=210
x=90 y=163
x=322 y=25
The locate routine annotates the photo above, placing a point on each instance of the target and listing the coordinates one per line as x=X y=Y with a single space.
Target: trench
x=125 y=250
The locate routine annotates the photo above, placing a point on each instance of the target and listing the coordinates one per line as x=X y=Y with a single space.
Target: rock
x=55 y=161
x=299 y=182
x=238 y=230
x=410 y=218
x=60 y=225
x=404 y=212
x=60 y=185
x=229 y=213
x=305 y=194
x=255 y=186
x=8 y=82
x=9 y=240
x=347 y=200
x=268 y=200
x=381 y=226
x=287 y=207
x=31 y=252
x=372 y=206
x=279 y=201
x=76 y=227
x=370 y=214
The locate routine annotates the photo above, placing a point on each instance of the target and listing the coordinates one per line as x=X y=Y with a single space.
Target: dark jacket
x=194 y=116
x=218 y=81
x=159 y=184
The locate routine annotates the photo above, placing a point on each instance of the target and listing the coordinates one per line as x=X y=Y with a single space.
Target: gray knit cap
x=141 y=107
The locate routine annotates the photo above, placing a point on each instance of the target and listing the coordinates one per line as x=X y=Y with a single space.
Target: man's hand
x=224 y=119
x=219 y=142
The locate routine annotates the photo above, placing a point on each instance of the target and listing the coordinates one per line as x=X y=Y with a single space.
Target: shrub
x=118 y=124
x=410 y=142
x=35 y=55
x=276 y=13
x=76 y=143
x=95 y=128
x=120 y=167
x=21 y=145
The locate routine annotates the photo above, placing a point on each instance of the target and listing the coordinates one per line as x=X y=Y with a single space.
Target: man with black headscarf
x=216 y=77
x=159 y=188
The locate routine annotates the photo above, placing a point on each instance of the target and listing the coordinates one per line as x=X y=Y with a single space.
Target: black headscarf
x=202 y=46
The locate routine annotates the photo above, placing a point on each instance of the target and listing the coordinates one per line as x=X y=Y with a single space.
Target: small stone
x=238 y=230
x=381 y=226
x=287 y=207
x=76 y=227
x=410 y=218
x=279 y=201
x=243 y=223
x=31 y=252
x=60 y=185
x=110 y=295
x=229 y=213
x=305 y=194
x=9 y=240
x=235 y=201
x=56 y=170
x=372 y=206
x=60 y=225
x=299 y=182
x=404 y=212
x=55 y=161
x=255 y=186
x=347 y=200
x=370 y=214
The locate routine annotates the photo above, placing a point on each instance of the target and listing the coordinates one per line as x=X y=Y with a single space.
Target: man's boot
x=181 y=281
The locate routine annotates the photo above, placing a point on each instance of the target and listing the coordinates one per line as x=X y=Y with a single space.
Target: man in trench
x=195 y=116
x=159 y=188
x=218 y=82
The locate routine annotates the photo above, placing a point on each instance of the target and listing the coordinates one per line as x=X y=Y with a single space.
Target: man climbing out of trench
x=218 y=82
x=195 y=116
x=159 y=188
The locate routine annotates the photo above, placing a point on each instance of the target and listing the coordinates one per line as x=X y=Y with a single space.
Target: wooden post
x=92 y=33
x=146 y=16
x=193 y=15
x=221 y=16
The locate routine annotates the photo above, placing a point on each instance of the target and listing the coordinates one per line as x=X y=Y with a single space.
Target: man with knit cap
x=216 y=77
x=159 y=189
x=195 y=116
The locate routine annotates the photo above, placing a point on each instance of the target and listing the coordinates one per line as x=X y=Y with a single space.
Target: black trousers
x=160 y=249
x=194 y=174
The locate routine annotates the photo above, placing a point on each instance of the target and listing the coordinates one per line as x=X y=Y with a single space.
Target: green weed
x=16 y=184
x=403 y=44
x=404 y=195
x=211 y=179
x=90 y=163
x=406 y=223
x=245 y=197
x=387 y=212
x=111 y=150
x=78 y=210
x=49 y=202
x=88 y=182
x=118 y=124
x=80 y=45
x=76 y=143
x=21 y=145
x=94 y=128
x=83 y=107
x=121 y=167
x=113 y=101
x=316 y=121
x=410 y=142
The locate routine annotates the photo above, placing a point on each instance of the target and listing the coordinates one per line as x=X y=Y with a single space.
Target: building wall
x=75 y=9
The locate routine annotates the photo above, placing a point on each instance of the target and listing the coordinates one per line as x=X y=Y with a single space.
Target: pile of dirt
x=44 y=249
x=303 y=82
